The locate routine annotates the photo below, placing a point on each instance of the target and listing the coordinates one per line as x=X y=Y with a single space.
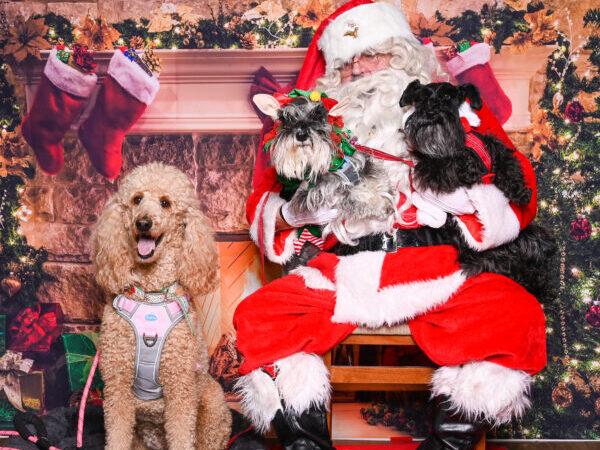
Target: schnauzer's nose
x=302 y=135
x=143 y=224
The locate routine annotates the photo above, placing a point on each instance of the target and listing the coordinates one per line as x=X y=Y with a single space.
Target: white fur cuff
x=259 y=398
x=132 y=78
x=484 y=390
x=67 y=78
x=303 y=381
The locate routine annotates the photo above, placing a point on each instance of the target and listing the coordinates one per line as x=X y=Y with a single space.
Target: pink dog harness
x=152 y=319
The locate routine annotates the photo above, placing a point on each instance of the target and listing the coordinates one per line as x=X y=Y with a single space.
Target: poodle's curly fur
x=193 y=413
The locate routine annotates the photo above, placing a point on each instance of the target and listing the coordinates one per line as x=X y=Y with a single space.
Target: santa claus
x=487 y=333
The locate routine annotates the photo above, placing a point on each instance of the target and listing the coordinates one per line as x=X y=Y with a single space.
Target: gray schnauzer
x=303 y=153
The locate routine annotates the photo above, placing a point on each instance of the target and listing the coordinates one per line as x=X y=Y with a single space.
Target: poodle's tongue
x=146 y=246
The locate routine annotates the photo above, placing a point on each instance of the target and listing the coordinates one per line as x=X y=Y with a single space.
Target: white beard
x=374 y=117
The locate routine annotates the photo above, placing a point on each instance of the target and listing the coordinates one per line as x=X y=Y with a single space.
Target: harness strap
x=476 y=144
x=151 y=323
x=378 y=154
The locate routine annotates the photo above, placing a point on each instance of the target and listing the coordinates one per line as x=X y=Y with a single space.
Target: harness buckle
x=389 y=242
x=150 y=341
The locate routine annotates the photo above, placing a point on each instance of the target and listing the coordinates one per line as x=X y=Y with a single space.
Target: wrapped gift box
x=36 y=328
x=80 y=349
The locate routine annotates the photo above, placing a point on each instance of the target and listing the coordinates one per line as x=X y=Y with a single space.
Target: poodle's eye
x=165 y=203
x=137 y=199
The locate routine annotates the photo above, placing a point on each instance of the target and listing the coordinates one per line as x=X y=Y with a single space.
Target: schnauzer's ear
x=408 y=96
x=267 y=104
x=341 y=106
x=472 y=93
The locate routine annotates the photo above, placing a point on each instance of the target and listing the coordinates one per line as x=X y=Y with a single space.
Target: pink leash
x=82 y=404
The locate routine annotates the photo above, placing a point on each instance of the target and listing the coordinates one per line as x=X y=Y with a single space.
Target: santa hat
x=353 y=28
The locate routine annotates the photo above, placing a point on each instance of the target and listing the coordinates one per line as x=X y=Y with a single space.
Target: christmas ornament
x=581 y=229
x=59 y=101
x=96 y=33
x=593 y=315
x=574 y=111
x=11 y=285
x=579 y=383
x=431 y=28
x=557 y=101
x=562 y=396
x=26 y=37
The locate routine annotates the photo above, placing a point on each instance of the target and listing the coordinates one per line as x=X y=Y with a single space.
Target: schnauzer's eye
x=137 y=199
x=165 y=203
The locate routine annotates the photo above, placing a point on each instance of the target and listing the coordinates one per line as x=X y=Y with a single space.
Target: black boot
x=308 y=431
x=451 y=431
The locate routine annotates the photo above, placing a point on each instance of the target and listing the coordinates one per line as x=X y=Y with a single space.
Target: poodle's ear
x=472 y=93
x=267 y=104
x=199 y=264
x=408 y=96
x=111 y=253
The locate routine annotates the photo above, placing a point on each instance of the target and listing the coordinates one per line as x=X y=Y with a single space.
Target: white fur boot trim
x=260 y=398
x=484 y=390
x=303 y=381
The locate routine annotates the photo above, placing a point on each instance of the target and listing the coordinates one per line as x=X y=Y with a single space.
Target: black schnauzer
x=446 y=161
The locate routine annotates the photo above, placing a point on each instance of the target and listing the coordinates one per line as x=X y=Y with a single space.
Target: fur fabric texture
x=132 y=78
x=69 y=79
x=362 y=28
x=193 y=412
x=484 y=391
x=259 y=398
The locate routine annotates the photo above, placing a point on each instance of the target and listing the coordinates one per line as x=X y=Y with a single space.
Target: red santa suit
x=485 y=332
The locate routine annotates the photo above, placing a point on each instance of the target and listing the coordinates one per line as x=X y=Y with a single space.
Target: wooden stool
x=379 y=378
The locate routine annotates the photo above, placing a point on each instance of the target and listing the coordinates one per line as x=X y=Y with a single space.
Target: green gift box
x=80 y=349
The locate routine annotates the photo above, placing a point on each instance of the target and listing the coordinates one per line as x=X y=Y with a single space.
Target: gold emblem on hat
x=352 y=30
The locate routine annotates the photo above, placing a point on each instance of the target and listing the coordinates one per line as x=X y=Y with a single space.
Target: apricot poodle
x=151 y=235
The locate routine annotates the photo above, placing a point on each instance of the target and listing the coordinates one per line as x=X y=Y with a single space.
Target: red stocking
x=126 y=92
x=59 y=101
x=472 y=66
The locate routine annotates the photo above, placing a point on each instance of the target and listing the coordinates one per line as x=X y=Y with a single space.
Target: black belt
x=417 y=237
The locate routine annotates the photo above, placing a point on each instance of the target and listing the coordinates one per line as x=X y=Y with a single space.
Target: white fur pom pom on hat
x=360 y=28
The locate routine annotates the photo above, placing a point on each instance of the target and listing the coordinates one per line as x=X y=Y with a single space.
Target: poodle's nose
x=301 y=135
x=143 y=224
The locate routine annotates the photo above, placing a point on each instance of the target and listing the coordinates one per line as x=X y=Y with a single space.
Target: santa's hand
x=456 y=203
x=428 y=214
x=297 y=219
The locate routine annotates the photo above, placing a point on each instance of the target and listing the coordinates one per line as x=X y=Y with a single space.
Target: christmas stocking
x=472 y=66
x=126 y=92
x=59 y=101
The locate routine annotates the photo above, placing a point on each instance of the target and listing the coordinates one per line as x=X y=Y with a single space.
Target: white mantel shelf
x=207 y=91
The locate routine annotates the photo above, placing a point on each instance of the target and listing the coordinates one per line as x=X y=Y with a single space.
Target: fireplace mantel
x=206 y=91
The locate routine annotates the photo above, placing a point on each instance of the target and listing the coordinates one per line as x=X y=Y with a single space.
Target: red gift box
x=35 y=328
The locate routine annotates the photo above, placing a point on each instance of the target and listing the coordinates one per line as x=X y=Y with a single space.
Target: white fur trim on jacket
x=484 y=390
x=271 y=209
x=67 y=78
x=313 y=278
x=303 y=381
x=259 y=398
x=500 y=224
x=361 y=301
x=360 y=28
x=478 y=54
x=132 y=78
x=467 y=112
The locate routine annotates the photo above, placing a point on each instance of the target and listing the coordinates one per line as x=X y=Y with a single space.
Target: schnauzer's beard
x=301 y=160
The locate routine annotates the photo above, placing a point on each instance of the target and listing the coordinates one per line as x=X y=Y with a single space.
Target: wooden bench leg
x=481 y=444
x=327 y=361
